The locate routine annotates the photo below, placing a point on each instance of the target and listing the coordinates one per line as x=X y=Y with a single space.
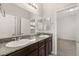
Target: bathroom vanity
x=40 y=47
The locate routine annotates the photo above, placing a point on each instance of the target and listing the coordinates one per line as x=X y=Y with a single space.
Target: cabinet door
x=33 y=53
x=7 y=26
x=50 y=45
x=42 y=51
x=47 y=49
x=21 y=52
x=25 y=26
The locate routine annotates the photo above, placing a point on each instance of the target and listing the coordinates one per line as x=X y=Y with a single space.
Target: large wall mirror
x=25 y=26
x=13 y=22
x=17 y=21
x=7 y=26
x=11 y=26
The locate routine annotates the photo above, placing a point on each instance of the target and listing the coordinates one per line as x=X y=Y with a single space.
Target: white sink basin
x=44 y=36
x=18 y=43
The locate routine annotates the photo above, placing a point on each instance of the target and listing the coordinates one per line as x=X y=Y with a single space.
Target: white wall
x=66 y=25
x=48 y=12
x=40 y=9
x=77 y=25
x=77 y=32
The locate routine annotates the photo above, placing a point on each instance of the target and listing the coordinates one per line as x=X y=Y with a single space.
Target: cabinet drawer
x=33 y=47
x=21 y=52
x=42 y=51
x=24 y=51
x=47 y=40
x=42 y=42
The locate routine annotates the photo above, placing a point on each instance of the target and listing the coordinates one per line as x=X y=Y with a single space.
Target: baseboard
x=65 y=39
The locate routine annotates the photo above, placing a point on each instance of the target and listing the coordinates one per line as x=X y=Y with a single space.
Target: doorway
x=66 y=31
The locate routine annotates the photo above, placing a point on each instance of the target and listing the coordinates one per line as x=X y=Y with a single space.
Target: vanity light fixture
x=33 y=5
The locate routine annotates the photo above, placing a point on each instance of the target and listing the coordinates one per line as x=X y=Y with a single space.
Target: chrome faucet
x=17 y=37
x=20 y=36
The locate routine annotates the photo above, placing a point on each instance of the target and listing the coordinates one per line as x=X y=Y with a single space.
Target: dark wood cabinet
x=42 y=51
x=47 y=49
x=26 y=51
x=50 y=45
x=33 y=53
x=41 y=48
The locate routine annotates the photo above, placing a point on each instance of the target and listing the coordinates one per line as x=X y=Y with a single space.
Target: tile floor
x=66 y=47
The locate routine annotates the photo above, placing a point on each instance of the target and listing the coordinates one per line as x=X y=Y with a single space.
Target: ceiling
x=56 y=6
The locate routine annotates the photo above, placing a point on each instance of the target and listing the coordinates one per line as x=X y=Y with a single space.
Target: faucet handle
x=13 y=35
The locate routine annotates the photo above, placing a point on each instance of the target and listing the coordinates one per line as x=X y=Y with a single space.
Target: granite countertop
x=6 y=50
